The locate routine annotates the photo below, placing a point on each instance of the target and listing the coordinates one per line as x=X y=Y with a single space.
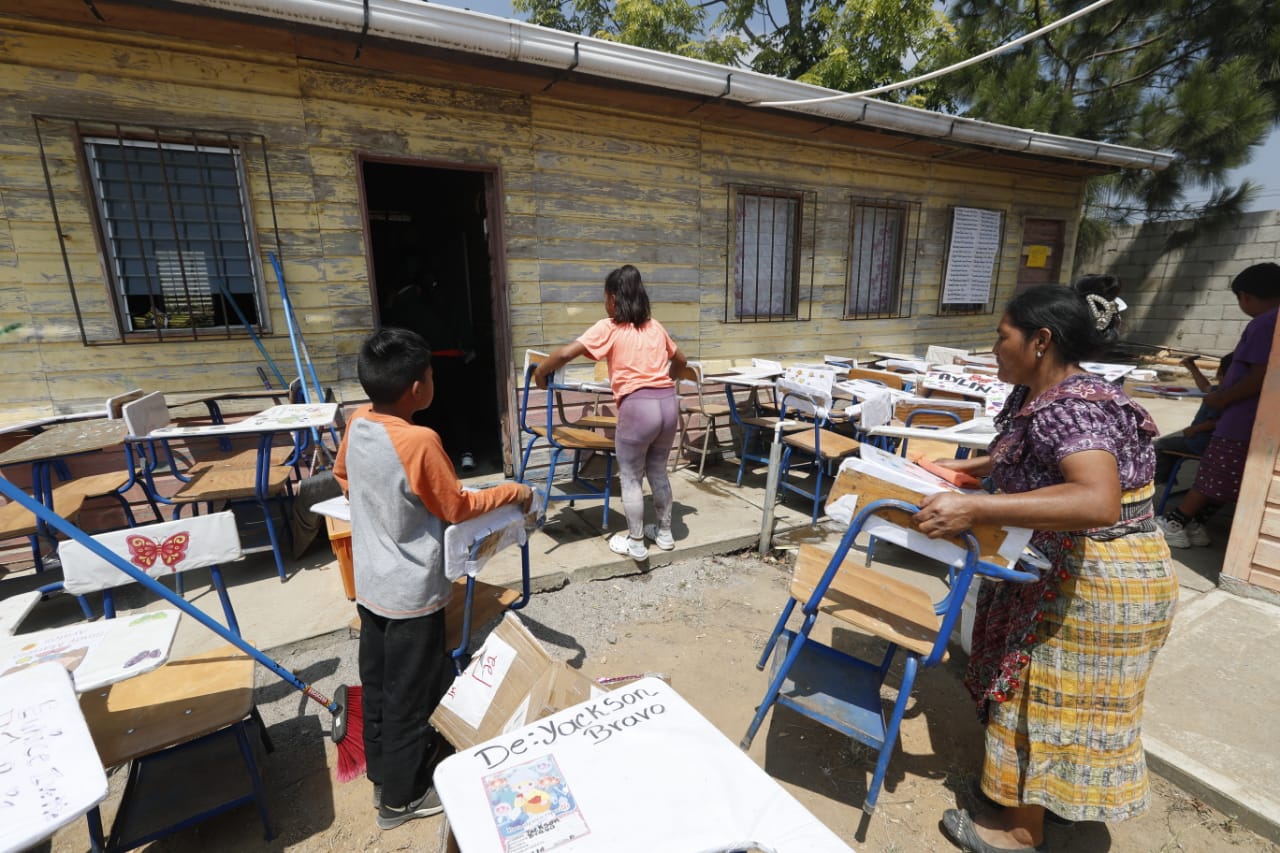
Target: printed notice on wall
x=971 y=255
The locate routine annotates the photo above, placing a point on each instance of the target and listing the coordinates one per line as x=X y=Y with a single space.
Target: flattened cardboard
x=533 y=686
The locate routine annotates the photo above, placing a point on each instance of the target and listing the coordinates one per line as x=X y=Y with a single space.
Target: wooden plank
x=990 y=536
x=1266 y=554
x=1270 y=522
x=874 y=602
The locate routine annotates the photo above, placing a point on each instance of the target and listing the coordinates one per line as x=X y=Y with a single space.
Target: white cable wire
x=973 y=60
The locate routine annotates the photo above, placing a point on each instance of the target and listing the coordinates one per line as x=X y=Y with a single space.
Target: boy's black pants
x=403 y=669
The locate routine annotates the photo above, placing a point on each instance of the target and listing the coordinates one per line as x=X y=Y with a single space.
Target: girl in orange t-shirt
x=641 y=358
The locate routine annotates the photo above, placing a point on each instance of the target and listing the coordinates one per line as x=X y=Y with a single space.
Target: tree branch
x=1151 y=72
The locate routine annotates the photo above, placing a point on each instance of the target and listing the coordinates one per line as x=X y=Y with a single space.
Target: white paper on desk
x=339 y=508
x=50 y=773
x=469 y=544
x=134 y=645
x=945 y=355
x=472 y=692
x=877 y=409
x=66 y=646
x=639 y=768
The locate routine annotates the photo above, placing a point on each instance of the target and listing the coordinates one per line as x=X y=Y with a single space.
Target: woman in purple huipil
x=1059 y=666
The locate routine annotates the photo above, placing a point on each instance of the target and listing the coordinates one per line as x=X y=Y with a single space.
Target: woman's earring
x=1039 y=353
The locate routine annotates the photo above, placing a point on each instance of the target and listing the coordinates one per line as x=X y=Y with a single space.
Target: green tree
x=1198 y=78
x=852 y=45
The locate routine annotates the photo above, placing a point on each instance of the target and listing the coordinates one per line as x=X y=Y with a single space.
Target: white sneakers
x=1180 y=535
x=621 y=543
x=662 y=538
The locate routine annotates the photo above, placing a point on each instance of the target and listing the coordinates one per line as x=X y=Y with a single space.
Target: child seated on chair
x=403 y=493
x=1194 y=438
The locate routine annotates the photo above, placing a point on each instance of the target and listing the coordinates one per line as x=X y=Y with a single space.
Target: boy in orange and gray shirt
x=403 y=493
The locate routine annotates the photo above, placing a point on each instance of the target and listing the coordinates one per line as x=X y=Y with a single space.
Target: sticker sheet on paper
x=533 y=807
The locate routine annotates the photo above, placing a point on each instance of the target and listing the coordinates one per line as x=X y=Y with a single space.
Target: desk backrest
x=115 y=405
x=165 y=548
x=146 y=414
x=892 y=380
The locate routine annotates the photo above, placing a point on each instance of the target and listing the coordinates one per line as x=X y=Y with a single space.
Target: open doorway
x=431 y=266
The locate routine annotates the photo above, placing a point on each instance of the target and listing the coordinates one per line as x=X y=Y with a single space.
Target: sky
x=1263 y=169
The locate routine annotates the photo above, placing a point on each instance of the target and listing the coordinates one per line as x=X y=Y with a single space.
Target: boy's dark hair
x=1062 y=311
x=630 y=302
x=391 y=360
x=1260 y=280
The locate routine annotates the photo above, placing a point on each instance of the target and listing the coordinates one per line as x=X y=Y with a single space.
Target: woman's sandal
x=958 y=826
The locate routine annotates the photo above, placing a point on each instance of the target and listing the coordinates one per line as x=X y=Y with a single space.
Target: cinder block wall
x=1182 y=297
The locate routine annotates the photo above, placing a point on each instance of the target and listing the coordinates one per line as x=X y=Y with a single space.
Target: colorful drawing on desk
x=141 y=656
x=66 y=647
x=532 y=806
x=143 y=550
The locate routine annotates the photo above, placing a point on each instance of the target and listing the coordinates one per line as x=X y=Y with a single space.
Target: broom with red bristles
x=348 y=716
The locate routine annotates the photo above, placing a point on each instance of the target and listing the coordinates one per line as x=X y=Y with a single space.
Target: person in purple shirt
x=1217 y=483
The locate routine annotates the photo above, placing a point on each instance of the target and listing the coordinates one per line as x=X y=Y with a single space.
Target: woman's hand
x=540 y=375
x=946 y=514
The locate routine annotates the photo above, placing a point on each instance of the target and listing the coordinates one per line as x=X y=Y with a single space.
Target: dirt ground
x=703 y=622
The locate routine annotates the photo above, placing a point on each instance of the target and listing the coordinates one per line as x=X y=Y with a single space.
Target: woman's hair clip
x=1102 y=309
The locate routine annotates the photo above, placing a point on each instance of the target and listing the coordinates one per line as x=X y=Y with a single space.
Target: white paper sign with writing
x=971 y=255
x=50 y=773
x=472 y=692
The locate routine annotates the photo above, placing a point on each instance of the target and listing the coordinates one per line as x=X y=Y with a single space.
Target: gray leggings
x=647 y=421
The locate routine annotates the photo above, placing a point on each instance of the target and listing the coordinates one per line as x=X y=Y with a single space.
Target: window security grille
x=882 y=267
x=175 y=230
x=767 y=236
x=173 y=214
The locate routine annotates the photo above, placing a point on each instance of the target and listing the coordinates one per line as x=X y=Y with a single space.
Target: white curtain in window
x=875 y=274
x=765 y=255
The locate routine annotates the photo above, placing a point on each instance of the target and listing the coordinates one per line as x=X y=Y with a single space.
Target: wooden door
x=1041 y=256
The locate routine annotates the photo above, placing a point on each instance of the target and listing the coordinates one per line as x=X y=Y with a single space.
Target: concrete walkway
x=1210 y=705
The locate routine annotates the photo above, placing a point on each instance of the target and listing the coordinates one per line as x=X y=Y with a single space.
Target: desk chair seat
x=262 y=483
x=183 y=725
x=561 y=438
x=840 y=690
x=709 y=413
x=816 y=447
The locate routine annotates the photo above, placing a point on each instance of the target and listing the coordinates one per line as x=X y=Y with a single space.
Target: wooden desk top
x=276 y=419
x=67 y=439
x=188 y=398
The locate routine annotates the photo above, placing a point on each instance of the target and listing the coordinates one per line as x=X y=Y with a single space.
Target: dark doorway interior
x=431 y=269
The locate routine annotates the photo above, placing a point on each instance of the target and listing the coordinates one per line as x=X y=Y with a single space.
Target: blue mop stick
x=69 y=530
x=256 y=340
x=296 y=339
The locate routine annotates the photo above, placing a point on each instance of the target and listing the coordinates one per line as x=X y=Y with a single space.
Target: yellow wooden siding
x=584 y=189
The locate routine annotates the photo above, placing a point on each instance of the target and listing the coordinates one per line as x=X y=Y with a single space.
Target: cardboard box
x=511 y=682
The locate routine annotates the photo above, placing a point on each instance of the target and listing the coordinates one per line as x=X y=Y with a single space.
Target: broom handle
x=296 y=339
x=65 y=527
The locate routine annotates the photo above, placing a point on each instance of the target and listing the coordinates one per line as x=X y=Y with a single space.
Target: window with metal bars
x=882 y=269
x=174 y=220
x=767 y=229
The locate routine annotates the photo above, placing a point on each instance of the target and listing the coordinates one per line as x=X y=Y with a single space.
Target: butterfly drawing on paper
x=144 y=551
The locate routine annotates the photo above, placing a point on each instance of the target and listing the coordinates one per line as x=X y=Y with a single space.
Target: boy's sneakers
x=1180 y=535
x=621 y=543
x=389 y=817
x=662 y=538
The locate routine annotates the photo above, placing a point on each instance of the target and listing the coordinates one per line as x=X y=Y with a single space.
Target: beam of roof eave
x=487 y=35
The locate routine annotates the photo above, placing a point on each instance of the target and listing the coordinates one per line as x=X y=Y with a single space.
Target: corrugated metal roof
x=460 y=30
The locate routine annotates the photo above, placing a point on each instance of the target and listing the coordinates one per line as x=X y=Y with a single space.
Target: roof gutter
x=486 y=35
